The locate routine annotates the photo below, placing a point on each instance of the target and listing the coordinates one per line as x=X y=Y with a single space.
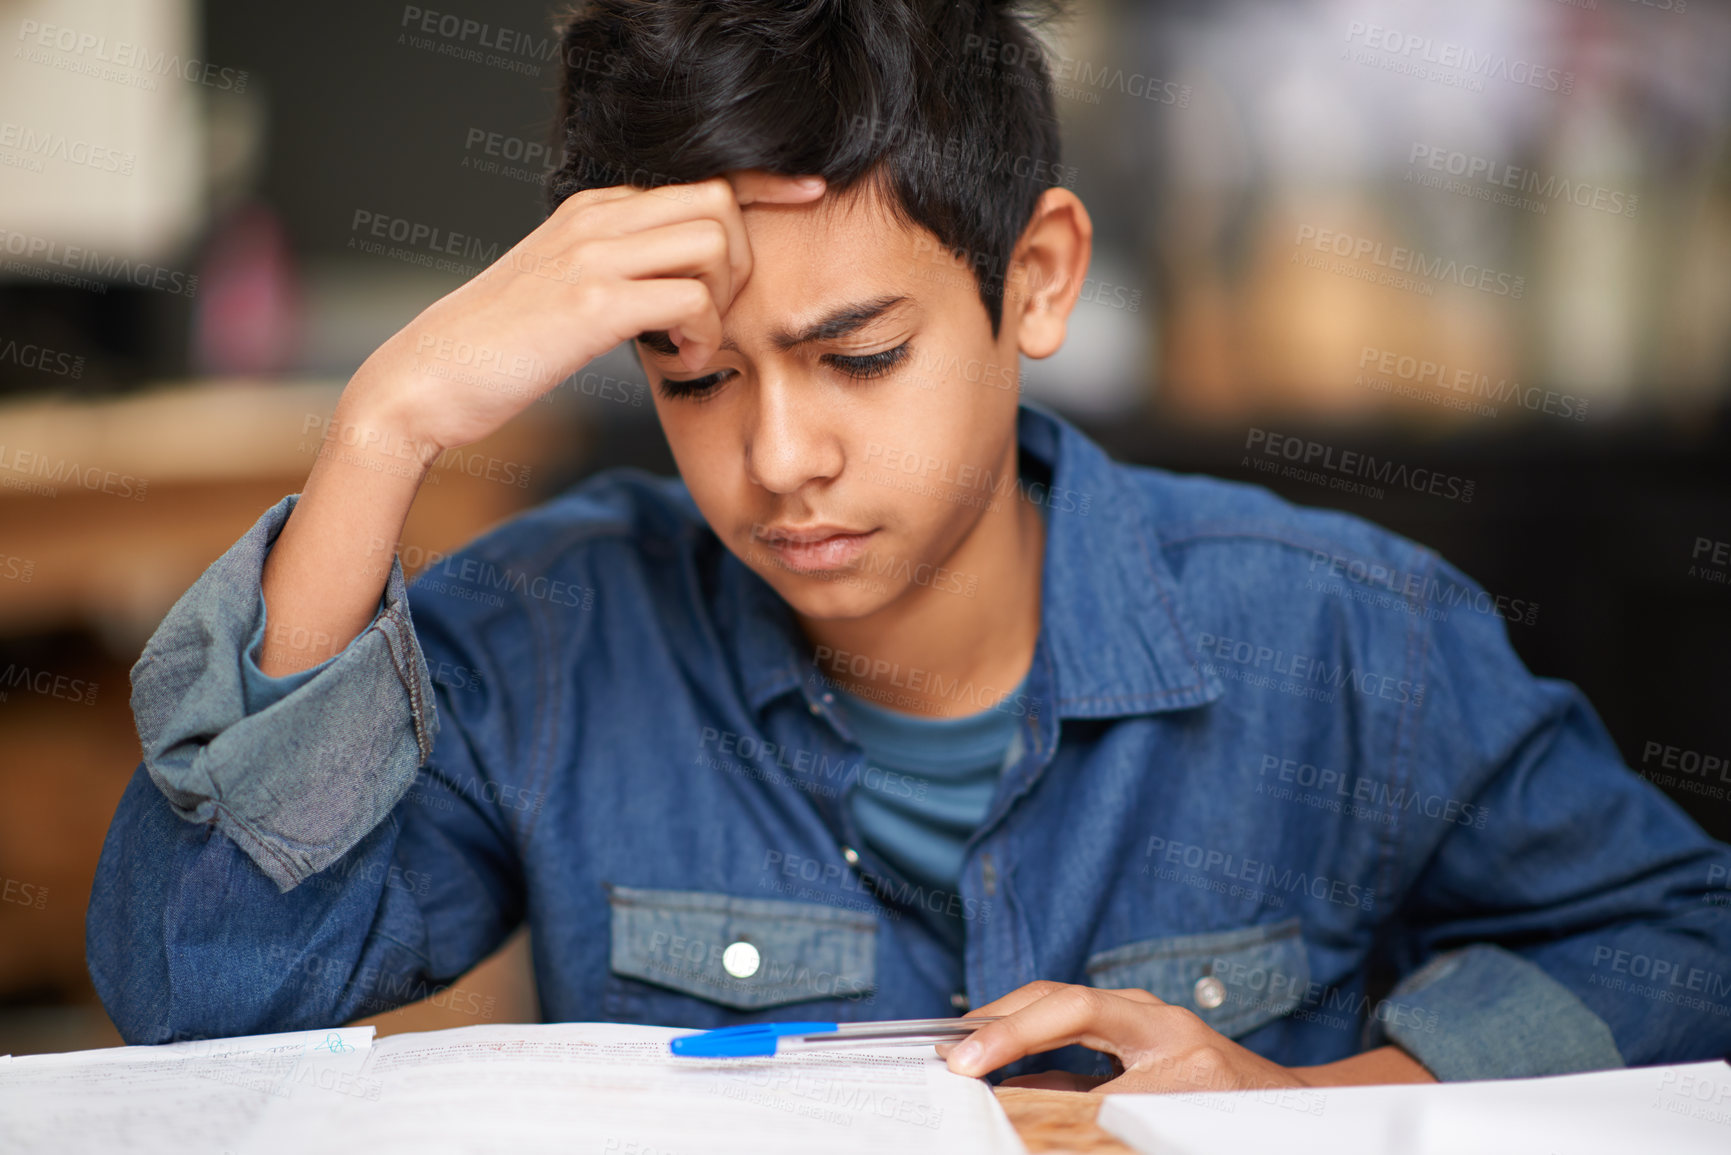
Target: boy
x=903 y=699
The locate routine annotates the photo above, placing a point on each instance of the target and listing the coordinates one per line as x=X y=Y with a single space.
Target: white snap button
x=740 y=960
x=1210 y=992
x=851 y=855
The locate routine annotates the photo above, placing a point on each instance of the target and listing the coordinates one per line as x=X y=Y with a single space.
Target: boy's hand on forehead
x=605 y=266
x=750 y=186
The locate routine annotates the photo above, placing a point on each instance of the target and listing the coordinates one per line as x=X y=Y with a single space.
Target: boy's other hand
x=1155 y=1046
x=606 y=265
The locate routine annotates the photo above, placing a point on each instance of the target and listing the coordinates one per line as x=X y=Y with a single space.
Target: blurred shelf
x=111 y=509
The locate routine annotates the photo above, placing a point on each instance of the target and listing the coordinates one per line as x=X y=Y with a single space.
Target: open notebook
x=1678 y=1110
x=570 y=1088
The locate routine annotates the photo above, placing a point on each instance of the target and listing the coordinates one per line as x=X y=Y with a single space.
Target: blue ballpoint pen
x=757 y=1039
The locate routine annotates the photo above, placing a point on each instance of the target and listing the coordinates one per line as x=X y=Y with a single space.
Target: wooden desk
x=1058 y=1122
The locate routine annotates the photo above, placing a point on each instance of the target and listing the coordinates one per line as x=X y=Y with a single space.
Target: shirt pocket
x=742 y=953
x=1234 y=980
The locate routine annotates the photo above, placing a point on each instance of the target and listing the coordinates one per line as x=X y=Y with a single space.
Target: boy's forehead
x=809 y=259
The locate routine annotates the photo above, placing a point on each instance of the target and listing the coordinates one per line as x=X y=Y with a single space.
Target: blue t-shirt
x=945 y=769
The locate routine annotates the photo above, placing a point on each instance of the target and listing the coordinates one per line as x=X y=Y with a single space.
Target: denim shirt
x=1275 y=765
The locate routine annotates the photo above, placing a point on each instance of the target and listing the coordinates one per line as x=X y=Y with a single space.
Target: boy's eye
x=692 y=389
x=868 y=365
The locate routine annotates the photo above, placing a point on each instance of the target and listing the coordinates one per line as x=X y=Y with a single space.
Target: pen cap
x=753 y=1039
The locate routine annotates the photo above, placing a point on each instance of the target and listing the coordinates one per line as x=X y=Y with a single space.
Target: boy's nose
x=787 y=446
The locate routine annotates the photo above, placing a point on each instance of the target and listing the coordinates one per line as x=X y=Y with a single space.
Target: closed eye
x=858 y=367
x=694 y=388
x=869 y=365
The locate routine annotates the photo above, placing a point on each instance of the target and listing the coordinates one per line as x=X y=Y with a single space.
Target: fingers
x=693 y=248
x=755 y=186
x=1103 y=1020
x=1017 y=999
x=664 y=303
x=625 y=211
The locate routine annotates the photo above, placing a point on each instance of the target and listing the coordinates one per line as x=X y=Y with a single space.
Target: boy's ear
x=1047 y=270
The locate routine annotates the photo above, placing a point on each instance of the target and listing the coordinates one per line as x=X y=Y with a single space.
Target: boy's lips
x=816 y=548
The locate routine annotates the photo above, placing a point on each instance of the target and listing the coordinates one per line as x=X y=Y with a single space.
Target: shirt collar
x=1112 y=619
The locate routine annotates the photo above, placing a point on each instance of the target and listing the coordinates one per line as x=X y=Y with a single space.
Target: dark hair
x=945 y=106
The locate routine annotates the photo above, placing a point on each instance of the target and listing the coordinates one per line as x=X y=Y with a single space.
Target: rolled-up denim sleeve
x=1561 y=911
x=302 y=860
x=260 y=689
x=325 y=754
x=1505 y=1017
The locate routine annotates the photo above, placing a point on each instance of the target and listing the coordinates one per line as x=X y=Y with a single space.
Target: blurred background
x=1487 y=238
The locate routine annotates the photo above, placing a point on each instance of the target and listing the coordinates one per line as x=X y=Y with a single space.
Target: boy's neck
x=947 y=654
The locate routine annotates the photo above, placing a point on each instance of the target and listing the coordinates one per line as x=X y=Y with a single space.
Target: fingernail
x=810 y=182
x=966 y=1057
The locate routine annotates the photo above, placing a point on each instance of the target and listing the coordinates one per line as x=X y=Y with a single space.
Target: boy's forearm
x=327 y=569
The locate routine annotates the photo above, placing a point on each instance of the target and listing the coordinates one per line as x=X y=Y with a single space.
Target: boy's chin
x=837 y=597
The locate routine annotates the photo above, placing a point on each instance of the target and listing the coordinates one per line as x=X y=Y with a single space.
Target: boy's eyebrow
x=838 y=322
